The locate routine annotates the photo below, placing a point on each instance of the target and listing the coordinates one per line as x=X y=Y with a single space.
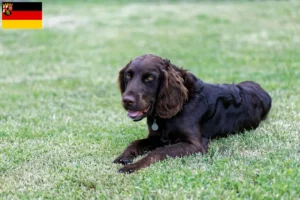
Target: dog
x=183 y=112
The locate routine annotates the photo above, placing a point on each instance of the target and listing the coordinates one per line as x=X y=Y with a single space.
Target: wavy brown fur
x=173 y=93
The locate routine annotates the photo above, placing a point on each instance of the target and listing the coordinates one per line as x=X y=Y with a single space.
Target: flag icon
x=22 y=15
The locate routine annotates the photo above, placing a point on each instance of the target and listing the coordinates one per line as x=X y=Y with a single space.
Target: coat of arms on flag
x=22 y=15
x=7 y=8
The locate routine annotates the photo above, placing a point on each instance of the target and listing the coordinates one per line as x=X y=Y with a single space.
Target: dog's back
x=234 y=108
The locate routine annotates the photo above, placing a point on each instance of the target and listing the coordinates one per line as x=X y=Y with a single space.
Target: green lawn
x=62 y=124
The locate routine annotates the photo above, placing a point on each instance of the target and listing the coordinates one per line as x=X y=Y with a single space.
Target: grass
x=61 y=122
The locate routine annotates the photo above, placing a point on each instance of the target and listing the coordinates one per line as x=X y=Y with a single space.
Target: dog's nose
x=128 y=100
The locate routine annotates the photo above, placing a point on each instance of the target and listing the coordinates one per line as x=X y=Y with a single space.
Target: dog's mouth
x=138 y=115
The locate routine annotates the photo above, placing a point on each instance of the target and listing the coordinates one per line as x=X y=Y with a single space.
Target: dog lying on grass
x=183 y=113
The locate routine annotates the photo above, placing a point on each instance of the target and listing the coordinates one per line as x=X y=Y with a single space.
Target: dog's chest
x=169 y=135
x=164 y=138
x=166 y=129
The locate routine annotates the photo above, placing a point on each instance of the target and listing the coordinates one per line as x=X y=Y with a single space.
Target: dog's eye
x=127 y=76
x=149 y=78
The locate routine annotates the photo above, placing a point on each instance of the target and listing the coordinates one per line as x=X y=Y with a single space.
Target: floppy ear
x=172 y=94
x=121 y=80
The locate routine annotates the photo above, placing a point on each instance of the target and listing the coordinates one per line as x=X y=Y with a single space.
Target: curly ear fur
x=122 y=85
x=172 y=94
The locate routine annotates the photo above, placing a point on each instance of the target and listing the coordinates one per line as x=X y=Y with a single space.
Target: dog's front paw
x=128 y=169
x=123 y=160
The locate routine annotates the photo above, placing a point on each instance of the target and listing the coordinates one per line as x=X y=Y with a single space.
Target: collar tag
x=154 y=126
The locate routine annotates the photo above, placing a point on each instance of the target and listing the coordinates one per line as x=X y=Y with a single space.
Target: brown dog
x=182 y=111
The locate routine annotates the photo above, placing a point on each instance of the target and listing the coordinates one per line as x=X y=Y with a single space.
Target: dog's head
x=150 y=85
